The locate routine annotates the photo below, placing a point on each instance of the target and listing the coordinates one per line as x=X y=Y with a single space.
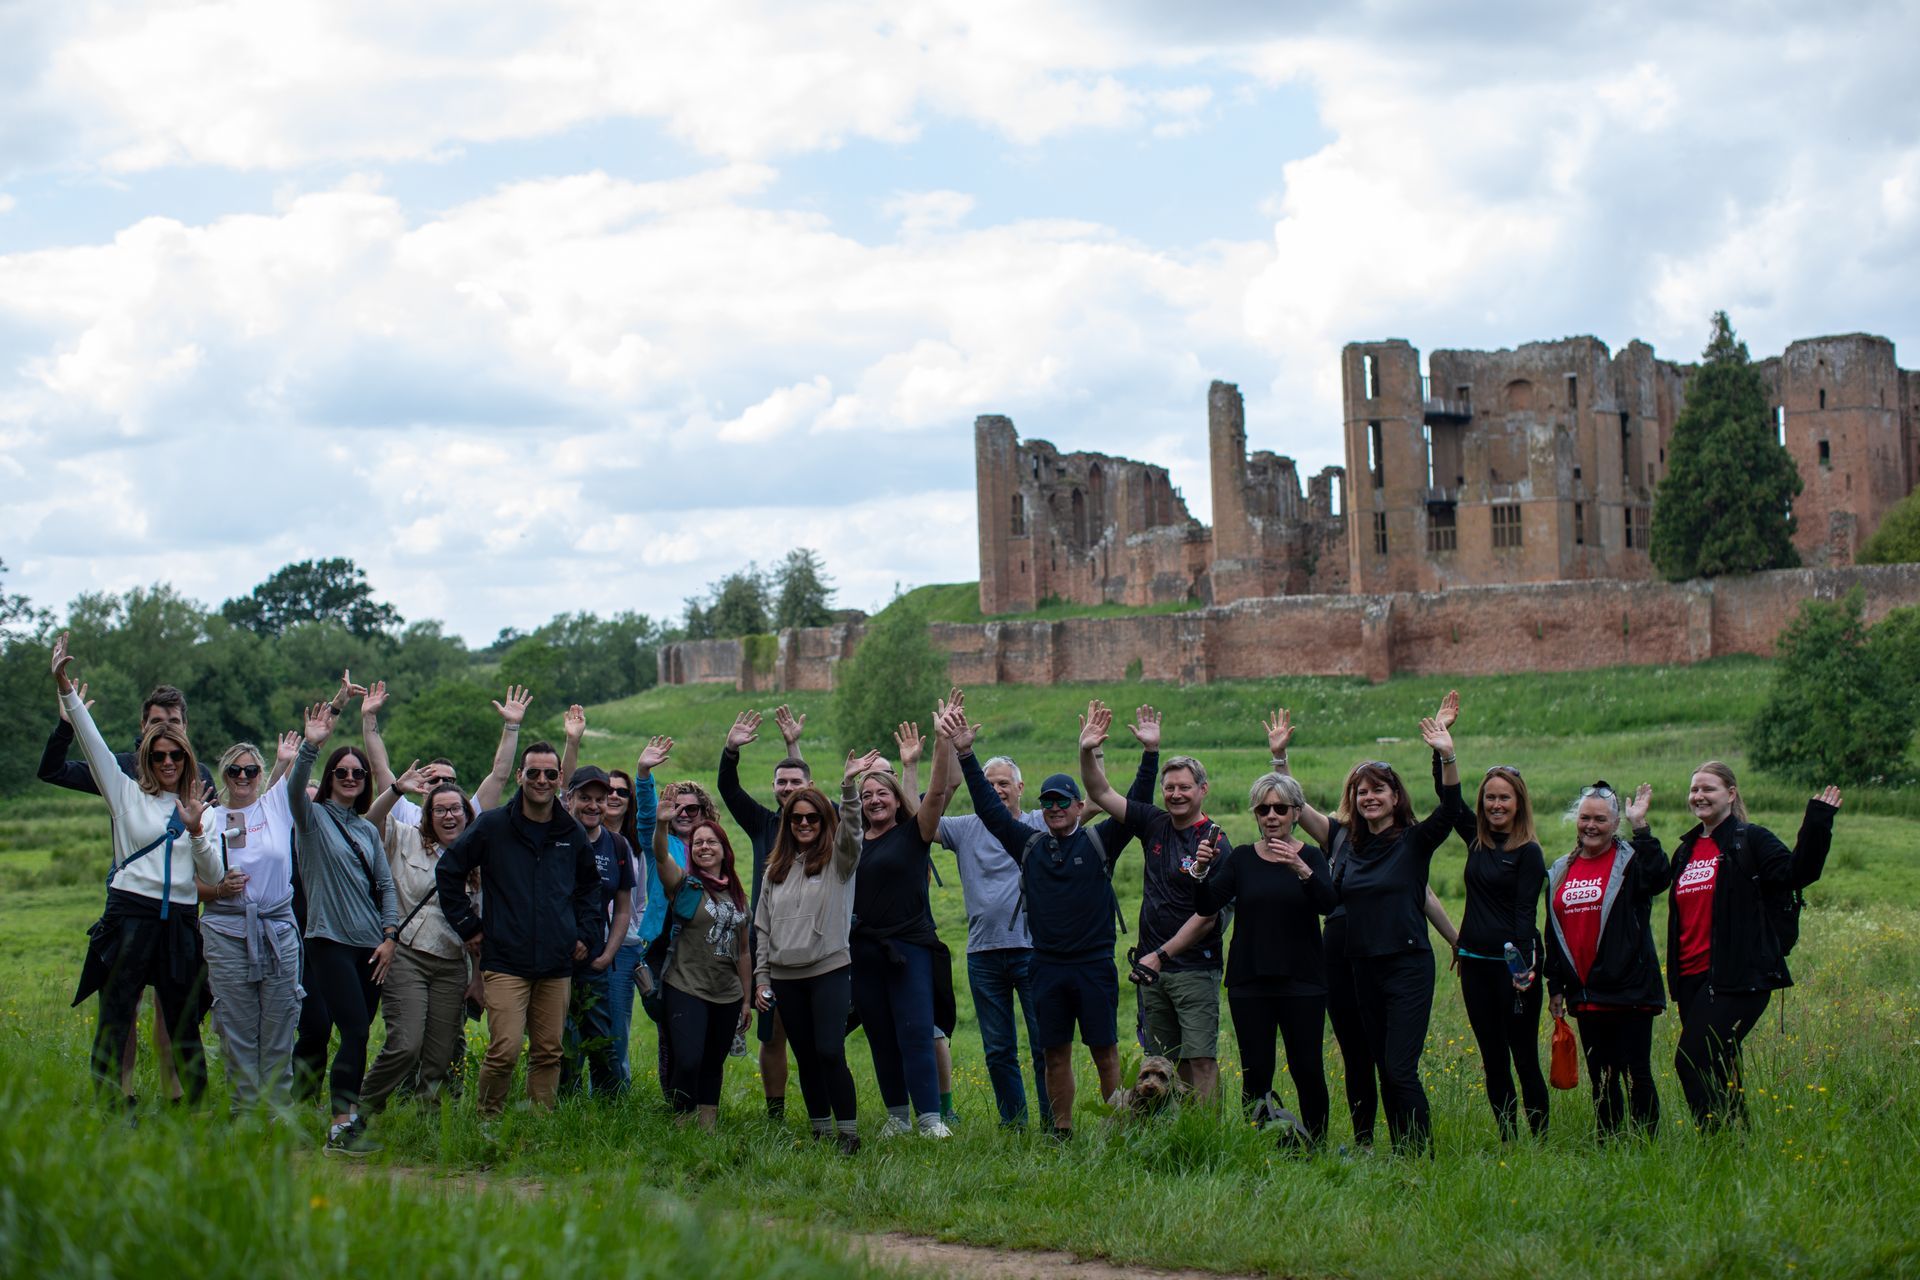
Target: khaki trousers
x=532 y=1007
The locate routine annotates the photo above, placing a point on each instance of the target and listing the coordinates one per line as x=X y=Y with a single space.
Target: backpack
x=1100 y=850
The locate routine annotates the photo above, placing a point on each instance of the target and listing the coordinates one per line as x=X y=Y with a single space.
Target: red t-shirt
x=1576 y=905
x=1693 y=905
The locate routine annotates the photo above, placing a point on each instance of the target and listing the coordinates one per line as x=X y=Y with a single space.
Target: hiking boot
x=849 y=1143
x=895 y=1127
x=350 y=1139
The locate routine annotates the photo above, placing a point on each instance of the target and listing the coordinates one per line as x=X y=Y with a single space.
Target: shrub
x=896 y=674
x=1897 y=540
x=1835 y=713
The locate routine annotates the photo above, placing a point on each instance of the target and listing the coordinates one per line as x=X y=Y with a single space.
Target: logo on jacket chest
x=1583 y=893
x=1699 y=872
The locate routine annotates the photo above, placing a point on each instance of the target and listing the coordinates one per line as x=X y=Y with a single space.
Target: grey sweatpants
x=424 y=1003
x=257 y=1021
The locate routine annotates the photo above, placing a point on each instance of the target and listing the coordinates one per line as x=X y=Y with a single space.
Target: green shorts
x=1183 y=1014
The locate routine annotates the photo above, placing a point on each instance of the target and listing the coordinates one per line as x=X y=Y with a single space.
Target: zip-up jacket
x=540 y=891
x=1626 y=968
x=757 y=822
x=1744 y=954
x=1503 y=885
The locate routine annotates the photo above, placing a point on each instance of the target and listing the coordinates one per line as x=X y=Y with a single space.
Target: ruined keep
x=1093 y=529
x=1540 y=464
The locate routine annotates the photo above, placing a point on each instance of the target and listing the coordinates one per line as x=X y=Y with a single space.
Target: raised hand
x=514 y=709
x=1830 y=796
x=376 y=698
x=1146 y=728
x=746 y=727
x=289 y=747
x=62 y=659
x=952 y=726
x=574 y=722
x=1436 y=735
x=349 y=690
x=319 y=723
x=1094 y=725
x=653 y=755
x=1449 y=709
x=860 y=764
x=789 y=725
x=1286 y=853
x=1636 y=814
x=909 y=742
x=1279 y=731
x=192 y=805
x=413 y=781
x=80 y=687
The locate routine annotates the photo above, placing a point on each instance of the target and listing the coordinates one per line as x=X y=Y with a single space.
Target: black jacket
x=1503 y=887
x=77 y=775
x=757 y=822
x=1382 y=880
x=1276 y=931
x=1754 y=866
x=1626 y=967
x=539 y=892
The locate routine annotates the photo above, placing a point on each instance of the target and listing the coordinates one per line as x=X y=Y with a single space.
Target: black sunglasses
x=1272 y=809
x=243 y=771
x=618 y=793
x=1056 y=802
x=343 y=774
x=542 y=775
x=171 y=757
x=811 y=819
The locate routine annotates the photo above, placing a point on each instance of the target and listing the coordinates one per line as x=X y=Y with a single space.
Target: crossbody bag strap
x=366 y=868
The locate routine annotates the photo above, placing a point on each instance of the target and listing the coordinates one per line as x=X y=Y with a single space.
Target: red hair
x=732 y=886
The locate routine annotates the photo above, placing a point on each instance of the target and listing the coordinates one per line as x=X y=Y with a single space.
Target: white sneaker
x=934 y=1127
x=895 y=1127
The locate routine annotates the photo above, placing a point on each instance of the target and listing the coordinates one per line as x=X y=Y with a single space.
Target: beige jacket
x=802 y=924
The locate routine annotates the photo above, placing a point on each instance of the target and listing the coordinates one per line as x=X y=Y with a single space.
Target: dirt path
x=925 y=1255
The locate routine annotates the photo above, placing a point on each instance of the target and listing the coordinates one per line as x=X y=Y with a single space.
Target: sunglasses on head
x=1272 y=809
x=1056 y=802
x=243 y=771
x=171 y=757
x=1502 y=768
x=541 y=775
x=1380 y=765
x=1597 y=789
x=343 y=773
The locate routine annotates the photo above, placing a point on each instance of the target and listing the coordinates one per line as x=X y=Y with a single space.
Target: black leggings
x=344 y=979
x=1396 y=1004
x=1618 y=1047
x=1506 y=1024
x=1300 y=1022
x=1343 y=1011
x=814 y=1012
x=655 y=1007
x=702 y=1032
x=1712 y=1027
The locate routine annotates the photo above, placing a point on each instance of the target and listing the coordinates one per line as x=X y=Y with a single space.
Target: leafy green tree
x=452 y=718
x=26 y=694
x=1897 y=540
x=896 y=674
x=804 y=591
x=1836 y=714
x=1895 y=643
x=538 y=665
x=333 y=590
x=148 y=635
x=1724 y=506
x=740 y=604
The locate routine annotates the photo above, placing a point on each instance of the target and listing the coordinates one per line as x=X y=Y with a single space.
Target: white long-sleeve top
x=138 y=818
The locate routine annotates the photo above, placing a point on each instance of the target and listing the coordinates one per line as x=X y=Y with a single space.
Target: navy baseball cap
x=1060 y=784
x=588 y=775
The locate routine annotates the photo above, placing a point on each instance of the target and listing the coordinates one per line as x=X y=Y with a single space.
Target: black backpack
x=1100 y=850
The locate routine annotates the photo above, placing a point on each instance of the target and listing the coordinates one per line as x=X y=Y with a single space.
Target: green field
x=1826 y=1182
x=960 y=602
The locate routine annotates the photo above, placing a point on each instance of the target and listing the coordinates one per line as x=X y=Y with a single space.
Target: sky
x=541 y=307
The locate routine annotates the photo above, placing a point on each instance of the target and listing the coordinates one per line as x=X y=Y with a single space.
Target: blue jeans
x=996 y=976
x=620 y=996
x=893 y=992
x=588 y=1038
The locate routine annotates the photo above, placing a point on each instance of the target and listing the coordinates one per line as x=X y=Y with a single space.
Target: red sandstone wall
x=1555 y=626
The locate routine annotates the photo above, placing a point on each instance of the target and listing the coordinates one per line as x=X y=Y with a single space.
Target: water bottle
x=1517 y=967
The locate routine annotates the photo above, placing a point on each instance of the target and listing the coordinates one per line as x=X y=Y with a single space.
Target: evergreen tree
x=804 y=591
x=1724 y=506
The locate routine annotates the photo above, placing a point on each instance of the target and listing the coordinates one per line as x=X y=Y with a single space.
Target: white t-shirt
x=259 y=841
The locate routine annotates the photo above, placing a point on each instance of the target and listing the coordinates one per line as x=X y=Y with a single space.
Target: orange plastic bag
x=1564 y=1071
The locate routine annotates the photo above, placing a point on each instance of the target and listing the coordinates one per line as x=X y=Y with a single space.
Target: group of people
x=297 y=908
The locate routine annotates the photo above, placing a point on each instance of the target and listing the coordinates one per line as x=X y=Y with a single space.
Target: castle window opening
x=1426 y=435
x=1442 y=529
x=1579 y=524
x=1375 y=447
x=1465 y=396
x=1780 y=422
x=1573 y=391
x=1379 y=533
x=1823 y=397
x=1079 y=504
x=1826 y=455
x=1019 y=515
x=1370 y=377
x=1636 y=528
x=1626 y=449
x=1506 y=525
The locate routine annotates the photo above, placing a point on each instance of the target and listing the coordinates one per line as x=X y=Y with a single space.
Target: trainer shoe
x=895 y=1127
x=934 y=1127
x=350 y=1139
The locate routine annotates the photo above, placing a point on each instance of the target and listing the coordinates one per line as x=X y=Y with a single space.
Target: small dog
x=1154 y=1089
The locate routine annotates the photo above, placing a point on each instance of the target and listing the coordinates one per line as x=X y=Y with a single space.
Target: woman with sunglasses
x=1600 y=955
x=147 y=936
x=1278 y=888
x=1379 y=857
x=803 y=963
x=251 y=936
x=353 y=913
x=1728 y=934
x=425 y=999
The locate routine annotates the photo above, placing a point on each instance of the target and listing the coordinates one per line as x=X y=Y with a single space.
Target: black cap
x=1060 y=784
x=588 y=774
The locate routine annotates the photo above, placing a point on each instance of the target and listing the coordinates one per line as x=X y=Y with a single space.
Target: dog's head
x=1154 y=1086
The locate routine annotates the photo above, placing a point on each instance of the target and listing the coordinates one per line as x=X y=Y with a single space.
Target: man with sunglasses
x=540 y=915
x=589 y=1029
x=761 y=825
x=1065 y=892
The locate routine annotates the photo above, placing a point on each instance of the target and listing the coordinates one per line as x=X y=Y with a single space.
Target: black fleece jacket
x=540 y=891
x=1626 y=968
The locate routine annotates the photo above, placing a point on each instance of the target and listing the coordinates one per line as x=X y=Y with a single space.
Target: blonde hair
x=233 y=755
x=1720 y=771
x=143 y=765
